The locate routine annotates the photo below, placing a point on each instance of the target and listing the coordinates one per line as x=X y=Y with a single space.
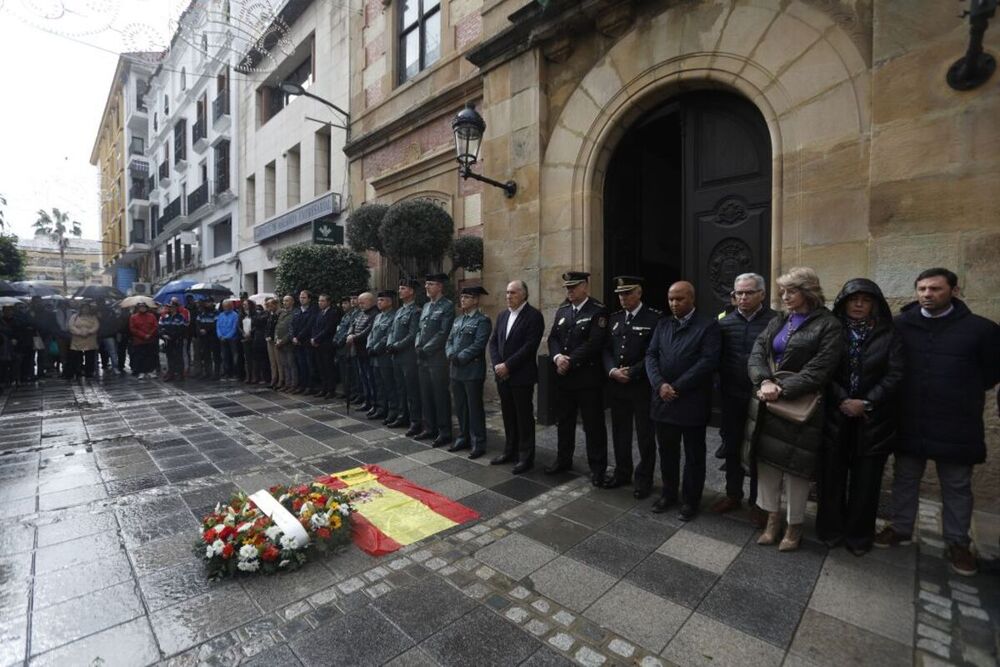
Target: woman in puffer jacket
x=861 y=418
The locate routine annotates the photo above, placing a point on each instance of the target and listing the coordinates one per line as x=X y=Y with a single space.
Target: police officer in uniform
x=385 y=394
x=402 y=336
x=630 y=330
x=466 y=352
x=436 y=319
x=576 y=344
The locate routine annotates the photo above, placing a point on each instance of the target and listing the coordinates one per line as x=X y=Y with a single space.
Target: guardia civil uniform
x=436 y=320
x=386 y=400
x=466 y=352
x=400 y=345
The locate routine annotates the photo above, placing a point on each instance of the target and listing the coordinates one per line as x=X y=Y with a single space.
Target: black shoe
x=612 y=481
x=687 y=512
x=390 y=420
x=425 y=435
x=441 y=440
x=367 y=407
x=597 y=480
x=457 y=447
x=663 y=504
x=375 y=414
x=476 y=453
x=557 y=468
x=522 y=467
x=500 y=460
x=641 y=494
x=399 y=423
x=412 y=432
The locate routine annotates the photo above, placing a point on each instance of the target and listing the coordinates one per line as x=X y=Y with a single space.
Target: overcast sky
x=55 y=89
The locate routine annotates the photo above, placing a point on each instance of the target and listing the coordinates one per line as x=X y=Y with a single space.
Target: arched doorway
x=688 y=196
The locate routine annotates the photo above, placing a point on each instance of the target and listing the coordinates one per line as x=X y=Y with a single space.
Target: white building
x=292 y=166
x=192 y=122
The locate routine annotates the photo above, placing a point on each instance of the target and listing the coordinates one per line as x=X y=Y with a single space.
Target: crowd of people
x=809 y=395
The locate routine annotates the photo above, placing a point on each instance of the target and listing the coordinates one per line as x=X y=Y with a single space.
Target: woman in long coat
x=861 y=417
x=795 y=356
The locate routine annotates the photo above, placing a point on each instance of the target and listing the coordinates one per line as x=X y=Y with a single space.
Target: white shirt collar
x=687 y=317
x=928 y=315
x=752 y=315
x=517 y=311
x=582 y=304
x=635 y=312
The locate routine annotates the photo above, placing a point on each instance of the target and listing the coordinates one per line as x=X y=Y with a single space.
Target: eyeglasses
x=741 y=293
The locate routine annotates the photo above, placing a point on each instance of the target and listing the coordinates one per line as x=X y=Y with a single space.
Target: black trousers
x=630 y=405
x=590 y=402
x=385 y=392
x=407 y=379
x=849 y=488
x=123 y=346
x=668 y=438
x=81 y=364
x=435 y=400
x=734 y=419
x=327 y=367
x=175 y=357
x=304 y=363
x=517 y=407
x=209 y=356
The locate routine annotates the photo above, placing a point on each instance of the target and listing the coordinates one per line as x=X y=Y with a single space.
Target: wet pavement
x=102 y=485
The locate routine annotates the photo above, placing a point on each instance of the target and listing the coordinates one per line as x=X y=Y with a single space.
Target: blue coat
x=302 y=322
x=227 y=325
x=685 y=356
x=466 y=347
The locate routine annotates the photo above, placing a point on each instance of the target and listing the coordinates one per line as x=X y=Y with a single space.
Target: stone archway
x=803 y=72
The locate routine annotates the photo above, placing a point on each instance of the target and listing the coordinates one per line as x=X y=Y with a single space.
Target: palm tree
x=54 y=227
x=3 y=220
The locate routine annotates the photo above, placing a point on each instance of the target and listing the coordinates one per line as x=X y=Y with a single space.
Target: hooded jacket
x=951 y=361
x=881 y=375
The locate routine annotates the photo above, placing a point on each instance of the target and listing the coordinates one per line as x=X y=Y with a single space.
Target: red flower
x=227 y=551
x=323 y=533
x=226 y=533
x=321 y=501
x=271 y=553
x=297 y=504
x=209 y=536
x=301 y=490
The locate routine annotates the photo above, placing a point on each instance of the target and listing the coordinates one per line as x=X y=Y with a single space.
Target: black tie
x=628 y=319
x=575 y=313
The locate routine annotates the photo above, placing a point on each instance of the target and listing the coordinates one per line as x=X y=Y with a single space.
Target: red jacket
x=142 y=326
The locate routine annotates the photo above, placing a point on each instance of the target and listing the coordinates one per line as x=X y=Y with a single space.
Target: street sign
x=327 y=232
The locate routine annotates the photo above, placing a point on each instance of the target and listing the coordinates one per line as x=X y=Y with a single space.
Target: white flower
x=218 y=546
x=306 y=507
x=283 y=563
x=283 y=498
x=248 y=552
x=209 y=551
x=248 y=565
x=345 y=510
x=272 y=533
x=287 y=542
x=245 y=527
x=218 y=527
x=320 y=520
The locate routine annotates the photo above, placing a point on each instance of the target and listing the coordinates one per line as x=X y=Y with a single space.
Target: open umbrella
x=9 y=301
x=7 y=289
x=54 y=298
x=133 y=301
x=259 y=299
x=35 y=288
x=175 y=288
x=100 y=292
x=210 y=289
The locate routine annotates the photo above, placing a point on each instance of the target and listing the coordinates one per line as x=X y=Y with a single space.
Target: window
x=271 y=99
x=166 y=104
x=293 y=168
x=251 y=202
x=180 y=140
x=419 y=36
x=222 y=238
x=204 y=43
x=222 y=166
x=184 y=198
x=184 y=84
x=269 y=194
x=321 y=162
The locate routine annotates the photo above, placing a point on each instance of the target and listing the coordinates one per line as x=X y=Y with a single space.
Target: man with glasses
x=740 y=329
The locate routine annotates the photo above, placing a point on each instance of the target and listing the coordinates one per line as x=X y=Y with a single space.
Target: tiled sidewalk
x=101 y=484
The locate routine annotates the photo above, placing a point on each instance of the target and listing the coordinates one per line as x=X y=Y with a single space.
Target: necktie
x=575 y=313
x=628 y=319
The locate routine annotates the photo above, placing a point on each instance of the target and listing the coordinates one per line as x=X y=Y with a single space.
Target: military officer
x=466 y=352
x=576 y=343
x=385 y=393
x=629 y=332
x=436 y=319
x=402 y=336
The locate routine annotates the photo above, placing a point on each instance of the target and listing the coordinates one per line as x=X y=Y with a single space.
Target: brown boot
x=793 y=535
x=771 y=531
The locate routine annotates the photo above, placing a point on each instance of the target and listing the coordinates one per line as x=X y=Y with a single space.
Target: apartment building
x=120 y=154
x=291 y=162
x=84 y=265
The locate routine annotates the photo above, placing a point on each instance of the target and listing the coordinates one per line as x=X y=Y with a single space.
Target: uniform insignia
x=562 y=321
x=616 y=326
x=602 y=321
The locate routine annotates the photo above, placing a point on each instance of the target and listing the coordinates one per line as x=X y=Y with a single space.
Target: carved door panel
x=727 y=194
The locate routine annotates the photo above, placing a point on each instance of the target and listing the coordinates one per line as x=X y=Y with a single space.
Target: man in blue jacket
x=680 y=362
x=227 y=326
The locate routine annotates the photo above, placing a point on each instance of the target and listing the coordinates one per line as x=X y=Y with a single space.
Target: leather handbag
x=796 y=410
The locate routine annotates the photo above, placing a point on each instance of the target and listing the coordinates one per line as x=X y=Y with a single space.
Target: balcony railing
x=170 y=212
x=220 y=105
x=164 y=170
x=200 y=130
x=137 y=236
x=139 y=190
x=198 y=198
x=137 y=146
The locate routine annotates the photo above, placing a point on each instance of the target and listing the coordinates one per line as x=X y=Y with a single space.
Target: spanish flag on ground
x=391 y=511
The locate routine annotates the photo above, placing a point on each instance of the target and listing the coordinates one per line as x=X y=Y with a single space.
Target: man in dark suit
x=321 y=339
x=680 y=363
x=631 y=329
x=300 y=330
x=576 y=342
x=513 y=348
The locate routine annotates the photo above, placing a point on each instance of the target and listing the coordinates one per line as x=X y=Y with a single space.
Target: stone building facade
x=695 y=139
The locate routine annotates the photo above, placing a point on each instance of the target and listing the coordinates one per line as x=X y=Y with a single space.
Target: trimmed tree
x=11 y=258
x=362 y=228
x=322 y=269
x=467 y=253
x=415 y=236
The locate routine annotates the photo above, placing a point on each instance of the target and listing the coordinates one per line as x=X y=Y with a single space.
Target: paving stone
x=933 y=633
x=362 y=637
x=621 y=647
x=546 y=657
x=823 y=639
x=60 y=585
x=278 y=654
x=798 y=575
x=934 y=647
x=274 y=592
x=561 y=641
x=517 y=614
x=563 y=617
x=702 y=551
x=556 y=532
x=180 y=627
x=571 y=583
x=131 y=643
x=520 y=489
x=640 y=616
x=537 y=627
x=516 y=555
x=588 y=657
x=488 y=504
x=669 y=578
x=753 y=611
x=424 y=608
x=644 y=534
x=415 y=657
x=76 y=618
x=589 y=513
x=705 y=641
x=480 y=637
x=606 y=553
x=973 y=612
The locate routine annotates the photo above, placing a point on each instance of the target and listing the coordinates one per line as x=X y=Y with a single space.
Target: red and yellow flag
x=391 y=511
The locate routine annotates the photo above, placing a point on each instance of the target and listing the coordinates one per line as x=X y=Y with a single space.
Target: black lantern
x=469 y=127
x=976 y=66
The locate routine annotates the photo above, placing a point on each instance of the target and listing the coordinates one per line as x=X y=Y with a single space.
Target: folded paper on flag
x=391 y=511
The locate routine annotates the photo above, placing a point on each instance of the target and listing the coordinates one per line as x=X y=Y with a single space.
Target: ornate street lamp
x=469 y=127
x=973 y=69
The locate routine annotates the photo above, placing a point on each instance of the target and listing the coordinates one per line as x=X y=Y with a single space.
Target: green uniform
x=400 y=345
x=466 y=352
x=436 y=319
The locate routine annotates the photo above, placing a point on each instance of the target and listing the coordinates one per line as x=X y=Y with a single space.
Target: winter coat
x=738 y=337
x=685 y=356
x=142 y=327
x=84 y=331
x=880 y=378
x=813 y=354
x=227 y=325
x=258 y=331
x=173 y=328
x=281 y=327
x=950 y=363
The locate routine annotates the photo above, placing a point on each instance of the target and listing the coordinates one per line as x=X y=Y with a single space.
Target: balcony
x=199 y=135
x=138 y=197
x=199 y=203
x=164 y=174
x=137 y=146
x=221 y=120
x=138 y=116
x=171 y=212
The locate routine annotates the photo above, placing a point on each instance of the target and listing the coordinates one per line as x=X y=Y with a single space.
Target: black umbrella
x=34 y=288
x=209 y=289
x=99 y=292
x=7 y=289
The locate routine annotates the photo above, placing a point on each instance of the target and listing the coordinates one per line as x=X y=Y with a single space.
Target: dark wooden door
x=726 y=194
